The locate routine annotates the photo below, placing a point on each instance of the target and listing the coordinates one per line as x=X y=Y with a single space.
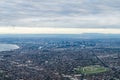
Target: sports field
x=91 y=69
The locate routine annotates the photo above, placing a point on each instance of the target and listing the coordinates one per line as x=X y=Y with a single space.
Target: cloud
x=60 y=14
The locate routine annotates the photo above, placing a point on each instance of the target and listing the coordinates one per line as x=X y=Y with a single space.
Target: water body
x=8 y=47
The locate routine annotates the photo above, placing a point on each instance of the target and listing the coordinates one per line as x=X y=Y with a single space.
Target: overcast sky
x=60 y=14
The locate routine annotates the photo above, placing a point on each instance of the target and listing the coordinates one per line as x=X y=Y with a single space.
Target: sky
x=59 y=16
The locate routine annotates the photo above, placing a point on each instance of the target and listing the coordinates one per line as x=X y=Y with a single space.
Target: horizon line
x=48 y=30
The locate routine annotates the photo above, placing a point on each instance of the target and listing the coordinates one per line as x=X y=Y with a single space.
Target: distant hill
x=83 y=36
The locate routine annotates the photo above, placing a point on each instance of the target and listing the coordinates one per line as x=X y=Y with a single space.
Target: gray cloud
x=62 y=13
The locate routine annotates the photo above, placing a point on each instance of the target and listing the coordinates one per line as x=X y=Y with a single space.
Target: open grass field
x=91 y=69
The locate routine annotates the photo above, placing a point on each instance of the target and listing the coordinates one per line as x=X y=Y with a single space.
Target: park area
x=94 y=69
